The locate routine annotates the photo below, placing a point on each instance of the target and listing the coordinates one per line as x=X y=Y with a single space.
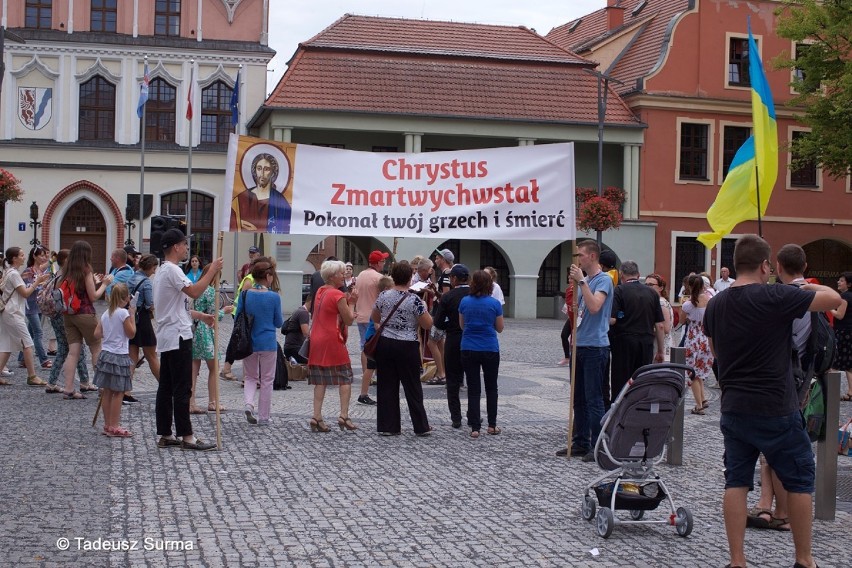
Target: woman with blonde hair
x=86 y=287
x=328 y=360
x=14 y=334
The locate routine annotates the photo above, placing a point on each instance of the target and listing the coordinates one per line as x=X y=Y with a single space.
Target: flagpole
x=759 y=217
x=235 y=122
x=142 y=170
x=189 y=165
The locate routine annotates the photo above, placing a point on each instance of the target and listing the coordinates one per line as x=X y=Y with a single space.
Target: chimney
x=614 y=14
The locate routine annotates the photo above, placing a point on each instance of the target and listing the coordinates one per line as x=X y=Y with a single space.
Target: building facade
x=69 y=128
x=683 y=68
x=399 y=85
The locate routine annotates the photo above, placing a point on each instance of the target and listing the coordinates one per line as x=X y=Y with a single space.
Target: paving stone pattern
x=283 y=496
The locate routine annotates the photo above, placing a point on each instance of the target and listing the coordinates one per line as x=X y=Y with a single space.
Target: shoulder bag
x=371 y=345
x=3 y=299
x=241 y=335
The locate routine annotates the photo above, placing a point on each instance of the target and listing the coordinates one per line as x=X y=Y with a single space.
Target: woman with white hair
x=328 y=359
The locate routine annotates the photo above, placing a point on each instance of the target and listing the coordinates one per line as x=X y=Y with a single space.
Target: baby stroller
x=631 y=443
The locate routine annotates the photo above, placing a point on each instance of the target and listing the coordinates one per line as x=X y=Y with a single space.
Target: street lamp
x=35 y=224
x=129 y=225
x=603 y=93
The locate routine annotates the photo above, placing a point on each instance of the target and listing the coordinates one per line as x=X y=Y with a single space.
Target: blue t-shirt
x=266 y=309
x=480 y=313
x=120 y=275
x=593 y=328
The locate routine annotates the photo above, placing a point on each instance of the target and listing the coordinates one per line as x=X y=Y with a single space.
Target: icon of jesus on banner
x=262 y=207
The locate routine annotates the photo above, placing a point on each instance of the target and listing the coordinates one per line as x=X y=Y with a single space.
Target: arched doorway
x=83 y=221
x=827 y=259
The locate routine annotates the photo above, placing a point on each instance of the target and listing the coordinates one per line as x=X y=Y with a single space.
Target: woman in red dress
x=328 y=359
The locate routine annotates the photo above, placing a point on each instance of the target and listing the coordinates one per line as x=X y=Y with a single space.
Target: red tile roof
x=378 y=66
x=428 y=37
x=642 y=54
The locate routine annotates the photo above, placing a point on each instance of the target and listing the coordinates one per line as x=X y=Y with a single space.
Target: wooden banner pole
x=574 y=303
x=217 y=279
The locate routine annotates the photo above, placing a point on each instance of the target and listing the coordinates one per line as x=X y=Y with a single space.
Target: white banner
x=520 y=193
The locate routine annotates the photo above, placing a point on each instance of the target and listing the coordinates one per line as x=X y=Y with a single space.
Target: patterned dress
x=202 y=340
x=698 y=354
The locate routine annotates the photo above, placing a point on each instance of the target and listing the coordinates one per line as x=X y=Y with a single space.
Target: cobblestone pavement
x=283 y=496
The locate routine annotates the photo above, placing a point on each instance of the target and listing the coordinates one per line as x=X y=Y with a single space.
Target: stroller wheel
x=605 y=522
x=636 y=514
x=588 y=508
x=683 y=522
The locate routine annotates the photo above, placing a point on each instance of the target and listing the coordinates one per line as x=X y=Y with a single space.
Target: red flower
x=10 y=187
x=599 y=214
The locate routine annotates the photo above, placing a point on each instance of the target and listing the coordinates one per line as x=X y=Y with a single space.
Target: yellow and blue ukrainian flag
x=755 y=161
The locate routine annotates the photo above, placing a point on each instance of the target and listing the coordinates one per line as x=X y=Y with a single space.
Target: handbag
x=372 y=343
x=241 y=336
x=2 y=299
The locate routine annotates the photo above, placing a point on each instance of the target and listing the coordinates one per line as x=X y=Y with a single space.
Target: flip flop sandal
x=474 y=434
x=755 y=519
x=229 y=376
x=197 y=410
x=74 y=396
x=494 y=431
x=212 y=407
x=118 y=432
x=846 y=397
x=780 y=524
x=705 y=406
x=698 y=411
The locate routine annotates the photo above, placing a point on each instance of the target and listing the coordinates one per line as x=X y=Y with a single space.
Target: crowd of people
x=434 y=310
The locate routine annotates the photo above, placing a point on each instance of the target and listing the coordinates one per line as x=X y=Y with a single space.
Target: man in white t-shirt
x=367 y=286
x=725 y=281
x=172 y=291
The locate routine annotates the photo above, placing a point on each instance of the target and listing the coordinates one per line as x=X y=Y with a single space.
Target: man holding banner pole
x=592 y=344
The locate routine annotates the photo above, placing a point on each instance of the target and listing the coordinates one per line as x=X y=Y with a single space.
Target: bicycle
x=226 y=294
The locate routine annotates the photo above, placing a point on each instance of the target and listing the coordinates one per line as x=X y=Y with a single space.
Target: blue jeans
x=34 y=327
x=590 y=378
x=489 y=362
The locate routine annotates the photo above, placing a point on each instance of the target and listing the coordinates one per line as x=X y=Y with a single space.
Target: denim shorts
x=362 y=331
x=782 y=439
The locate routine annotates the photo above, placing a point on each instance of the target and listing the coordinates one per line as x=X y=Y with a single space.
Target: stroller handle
x=657 y=366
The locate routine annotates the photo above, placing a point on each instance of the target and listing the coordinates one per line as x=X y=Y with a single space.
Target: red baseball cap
x=378 y=256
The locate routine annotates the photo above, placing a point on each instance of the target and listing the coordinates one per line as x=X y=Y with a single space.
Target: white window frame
x=674 y=287
x=711 y=148
x=720 y=171
x=788 y=182
x=758 y=39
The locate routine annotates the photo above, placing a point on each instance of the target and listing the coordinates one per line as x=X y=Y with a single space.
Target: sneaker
x=263 y=422
x=164 y=442
x=365 y=399
x=250 y=418
x=575 y=452
x=129 y=399
x=6 y=373
x=198 y=445
x=589 y=457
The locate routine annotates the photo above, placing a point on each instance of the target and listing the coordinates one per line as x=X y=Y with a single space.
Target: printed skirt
x=843 y=354
x=335 y=375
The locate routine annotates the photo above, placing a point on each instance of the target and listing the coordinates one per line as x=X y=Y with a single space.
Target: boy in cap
x=172 y=291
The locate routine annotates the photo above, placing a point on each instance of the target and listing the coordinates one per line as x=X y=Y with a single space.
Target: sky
x=289 y=26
